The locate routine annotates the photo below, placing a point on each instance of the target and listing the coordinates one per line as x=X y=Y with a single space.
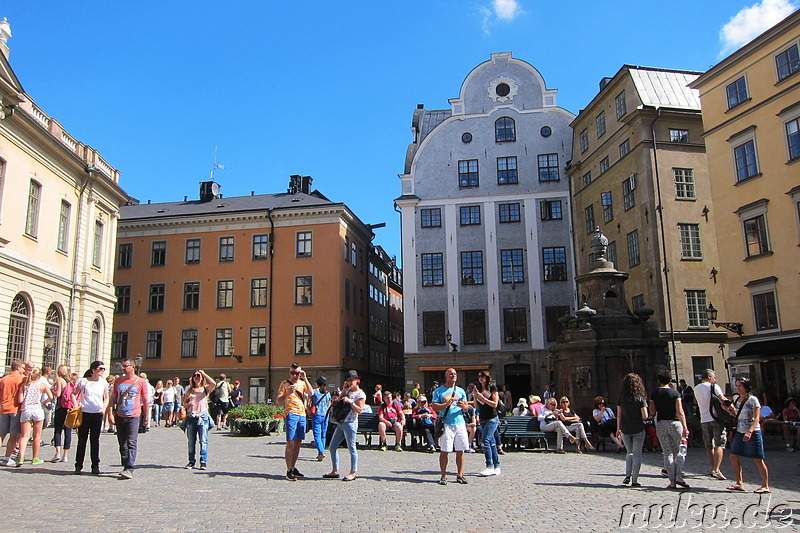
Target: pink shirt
x=197 y=402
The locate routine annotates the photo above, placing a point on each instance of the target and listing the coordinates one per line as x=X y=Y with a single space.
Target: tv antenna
x=216 y=164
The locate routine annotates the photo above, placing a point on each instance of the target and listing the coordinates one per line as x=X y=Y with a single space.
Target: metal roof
x=431 y=119
x=666 y=88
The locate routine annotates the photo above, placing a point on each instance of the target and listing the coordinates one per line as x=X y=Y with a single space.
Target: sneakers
x=4 y=461
x=383 y=448
x=189 y=466
x=789 y=448
x=203 y=466
x=488 y=471
x=470 y=450
x=321 y=457
x=497 y=471
x=56 y=459
x=431 y=449
x=96 y=471
x=626 y=481
x=636 y=485
x=664 y=472
x=126 y=474
x=398 y=448
x=16 y=464
x=37 y=461
x=443 y=481
x=64 y=459
x=297 y=473
x=290 y=475
x=461 y=480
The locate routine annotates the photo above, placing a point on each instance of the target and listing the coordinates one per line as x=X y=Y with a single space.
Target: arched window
x=18 y=330
x=52 y=336
x=95 y=346
x=505 y=130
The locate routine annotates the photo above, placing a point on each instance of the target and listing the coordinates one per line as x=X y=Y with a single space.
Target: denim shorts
x=9 y=423
x=295 y=427
x=168 y=407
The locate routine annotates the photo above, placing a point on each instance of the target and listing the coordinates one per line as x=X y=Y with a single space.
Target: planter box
x=256 y=428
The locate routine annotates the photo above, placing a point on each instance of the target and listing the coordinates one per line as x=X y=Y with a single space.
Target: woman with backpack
x=346 y=428
x=64 y=394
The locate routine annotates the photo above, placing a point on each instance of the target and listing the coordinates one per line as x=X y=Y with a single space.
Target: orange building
x=244 y=286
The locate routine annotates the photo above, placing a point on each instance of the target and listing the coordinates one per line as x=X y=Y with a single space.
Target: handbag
x=719 y=414
x=74 y=417
x=438 y=425
x=339 y=410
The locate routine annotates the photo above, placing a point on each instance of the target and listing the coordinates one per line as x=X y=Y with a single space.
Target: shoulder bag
x=74 y=417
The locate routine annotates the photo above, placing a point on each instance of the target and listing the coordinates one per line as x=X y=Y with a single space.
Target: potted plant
x=256 y=419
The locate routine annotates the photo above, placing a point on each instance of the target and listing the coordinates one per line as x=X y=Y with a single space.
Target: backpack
x=65 y=400
x=719 y=414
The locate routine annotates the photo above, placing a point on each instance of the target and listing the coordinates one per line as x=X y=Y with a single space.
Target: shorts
x=394 y=425
x=31 y=415
x=9 y=424
x=295 y=427
x=223 y=407
x=454 y=438
x=754 y=448
x=714 y=435
x=169 y=407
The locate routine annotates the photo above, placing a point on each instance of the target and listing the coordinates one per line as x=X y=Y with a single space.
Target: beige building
x=59 y=204
x=751 y=116
x=639 y=173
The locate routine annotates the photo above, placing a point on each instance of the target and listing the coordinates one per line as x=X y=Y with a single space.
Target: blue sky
x=325 y=89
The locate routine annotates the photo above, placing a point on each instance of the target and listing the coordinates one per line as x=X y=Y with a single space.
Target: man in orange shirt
x=293 y=394
x=9 y=406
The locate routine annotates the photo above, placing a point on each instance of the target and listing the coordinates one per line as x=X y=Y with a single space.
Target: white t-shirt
x=46 y=382
x=702 y=395
x=92 y=395
x=168 y=395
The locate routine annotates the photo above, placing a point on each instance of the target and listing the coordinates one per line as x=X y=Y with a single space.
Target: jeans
x=197 y=429
x=127 y=437
x=489 y=444
x=58 y=422
x=347 y=432
x=90 y=429
x=633 y=461
x=669 y=433
x=156 y=417
x=427 y=430
x=319 y=424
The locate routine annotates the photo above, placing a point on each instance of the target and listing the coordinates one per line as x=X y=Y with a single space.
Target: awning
x=457 y=367
x=775 y=347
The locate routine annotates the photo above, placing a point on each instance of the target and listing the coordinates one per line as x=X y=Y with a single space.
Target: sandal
x=681 y=483
x=762 y=490
x=349 y=478
x=718 y=475
x=462 y=480
x=443 y=481
x=736 y=488
x=330 y=476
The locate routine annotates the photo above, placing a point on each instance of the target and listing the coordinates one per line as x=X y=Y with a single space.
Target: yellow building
x=638 y=172
x=751 y=116
x=59 y=203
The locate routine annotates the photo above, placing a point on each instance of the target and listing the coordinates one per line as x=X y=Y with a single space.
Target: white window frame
x=687 y=182
x=696 y=309
x=34 y=207
x=691 y=247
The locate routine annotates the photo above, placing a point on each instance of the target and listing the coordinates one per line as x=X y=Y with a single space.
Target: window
x=509 y=213
x=587 y=179
x=431 y=218
x=607 y=201
x=690 y=241
x=347 y=248
x=353 y=253
x=600 y=122
x=225 y=249
x=633 y=248
x=258 y=292
x=258 y=390
x=793 y=138
x=679 y=136
x=550 y=209
x=63 y=226
x=684 y=183
x=736 y=92
x=506 y=170
x=584 y=137
x=745 y=157
x=97 y=248
x=471 y=268
x=696 y=308
x=788 y=62
x=192 y=251
x=52 y=336
x=474 y=326
x=628 y=195
x=619 y=103
x=765 y=311
x=260 y=247
x=225 y=294
x=504 y=130
x=156 y=304
x=189 y=343
x=624 y=148
x=123 y=293
x=304 y=244
x=32 y=216
x=154 y=341
x=258 y=340
x=548 y=167
x=588 y=215
x=468 y=173
x=158 y=254
x=755 y=236
x=515 y=325
x=433 y=332
x=125 y=255
x=511 y=266
x=470 y=215
x=552 y=316
x=432 y=270
x=94 y=341
x=554 y=261
x=302 y=340
x=223 y=345
x=611 y=252
x=302 y=290
x=191 y=296
x=604 y=164
x=637 y=302
x=17 y=346
x=119 y=345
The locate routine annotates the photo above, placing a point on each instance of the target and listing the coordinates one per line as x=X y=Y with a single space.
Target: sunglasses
x=101 y=368
x=293 y=373
x=197 y=375
x=126 y=366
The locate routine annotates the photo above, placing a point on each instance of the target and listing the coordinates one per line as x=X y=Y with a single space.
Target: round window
x=502 y=89
x=546 y=131
x=466 y=137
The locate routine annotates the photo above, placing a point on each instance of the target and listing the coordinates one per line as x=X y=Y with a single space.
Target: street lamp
x=449 y=338
x=733 y=327
x=231 y=353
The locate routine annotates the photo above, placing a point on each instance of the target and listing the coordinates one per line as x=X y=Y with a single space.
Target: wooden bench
x=513 y=429
x=367 y=426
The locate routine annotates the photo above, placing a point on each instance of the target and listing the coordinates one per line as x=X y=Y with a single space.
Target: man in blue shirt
x=320 y=403
x=450 y=401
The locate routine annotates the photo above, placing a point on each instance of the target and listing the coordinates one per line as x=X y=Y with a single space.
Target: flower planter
x=256 y=428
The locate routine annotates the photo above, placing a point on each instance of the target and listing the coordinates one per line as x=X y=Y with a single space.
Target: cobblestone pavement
x=244 y=489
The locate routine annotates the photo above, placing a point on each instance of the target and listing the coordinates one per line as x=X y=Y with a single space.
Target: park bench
x=514 y=429
x=367 y=426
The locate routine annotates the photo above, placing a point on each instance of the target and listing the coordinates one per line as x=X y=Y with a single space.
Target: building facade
x=59 y=205
x=245 y=286
x=751 y=116
x=486 y=229
x=639 y=173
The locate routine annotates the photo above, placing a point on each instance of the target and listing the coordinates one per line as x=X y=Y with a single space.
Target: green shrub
x=256 y=419
x=255 y=411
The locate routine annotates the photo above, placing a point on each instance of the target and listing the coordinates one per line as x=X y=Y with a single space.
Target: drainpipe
x=270 y=290
x=660 y=209
x=75 y=274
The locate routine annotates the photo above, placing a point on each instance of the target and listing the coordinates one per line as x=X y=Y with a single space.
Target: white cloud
x=752 y=21
x=500 y=10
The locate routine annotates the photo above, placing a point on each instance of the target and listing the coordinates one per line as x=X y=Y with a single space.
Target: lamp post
x=453 y=346
x=733 y=327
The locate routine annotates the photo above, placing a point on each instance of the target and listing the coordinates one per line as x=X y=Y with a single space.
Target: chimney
x=5 y=35
x=305 y=184
x=298 y=183
x=209 y=190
